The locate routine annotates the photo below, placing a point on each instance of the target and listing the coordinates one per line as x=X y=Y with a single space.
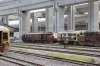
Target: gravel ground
x=61 y=46
x=46 y=52
x=42 y=61
x=24 y=63
x=87 y=52
x=5 y=63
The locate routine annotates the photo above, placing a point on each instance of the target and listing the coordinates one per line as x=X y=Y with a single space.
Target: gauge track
x=56 y=58
x=69 y=52
x=19 y=60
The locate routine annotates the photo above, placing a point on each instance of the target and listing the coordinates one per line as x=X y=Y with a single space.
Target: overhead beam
x=84 y=8
x=73 y=2
x=25 y=5
x=7 y=10
x=15 y=17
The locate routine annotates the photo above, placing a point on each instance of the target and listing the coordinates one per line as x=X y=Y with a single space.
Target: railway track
x=72 y=49
x=55 y=50
x=32 y=44
x=56 y=58
x=79 y=49
x=12 y=62
x=37 y=44
x=20 y=64
x=67 y=48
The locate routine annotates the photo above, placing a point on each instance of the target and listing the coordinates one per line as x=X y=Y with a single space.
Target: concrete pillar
x=71 y=18
x=49 y=20
x=59 y=18
x=34 y=22
x=6 y=20
x=93 y=16
x=24 y=22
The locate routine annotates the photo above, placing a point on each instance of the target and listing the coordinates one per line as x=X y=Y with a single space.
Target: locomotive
x=50 y=37
x=69 y=37
x=38 y=37
x=90 y=39
x=4 y=39
x=83 y=38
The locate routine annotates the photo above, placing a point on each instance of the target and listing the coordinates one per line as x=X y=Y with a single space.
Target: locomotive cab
x=4 y=39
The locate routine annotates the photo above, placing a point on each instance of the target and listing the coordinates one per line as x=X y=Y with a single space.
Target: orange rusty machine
x=90 y=39
x=4 y=39
x=38 y=37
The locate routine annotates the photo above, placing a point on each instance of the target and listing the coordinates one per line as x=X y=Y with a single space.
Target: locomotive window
x=77 y=35
x=74 y=34
x=5 y=36
x=69 y=34
x=61 y=35
x=81 y=33
x=64 y=34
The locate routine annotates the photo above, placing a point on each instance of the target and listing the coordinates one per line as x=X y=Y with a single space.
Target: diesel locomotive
x=4 y=39
x=69 y=37
x=90 y=39
x=38 y=37
x=50 y=37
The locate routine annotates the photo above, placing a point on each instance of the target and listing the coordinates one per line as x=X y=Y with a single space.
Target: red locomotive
x=90 y=38
x=86 y=38
x=38 y=37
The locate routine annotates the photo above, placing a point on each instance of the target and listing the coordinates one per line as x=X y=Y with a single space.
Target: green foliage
x=71 y=57
x=21 y=49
